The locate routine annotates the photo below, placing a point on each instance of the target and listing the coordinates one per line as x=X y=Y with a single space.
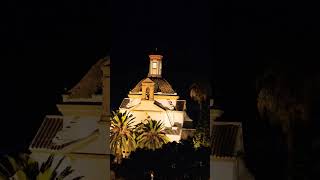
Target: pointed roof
x=91 y=83
x=147 y=80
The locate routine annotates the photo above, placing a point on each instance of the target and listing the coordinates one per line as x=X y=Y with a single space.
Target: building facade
x=81 y=131
x=153 y=97
x=227 y=150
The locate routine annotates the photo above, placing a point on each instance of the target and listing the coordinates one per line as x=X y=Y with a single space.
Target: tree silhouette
x=199 y=93
x=284 y=100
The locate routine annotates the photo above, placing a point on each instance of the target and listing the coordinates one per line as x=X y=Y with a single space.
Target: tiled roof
x=91 y=83
x=124 y=103
x=223 y=140
x=47 y=131
x=161 y=85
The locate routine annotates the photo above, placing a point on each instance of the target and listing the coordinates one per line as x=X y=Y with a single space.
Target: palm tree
x=121 y=133
x=24 y=168
x=199 y=93
x=153 y=135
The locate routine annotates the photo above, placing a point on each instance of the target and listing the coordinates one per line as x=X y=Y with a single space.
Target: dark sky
x=181 y=32
x=49 y=45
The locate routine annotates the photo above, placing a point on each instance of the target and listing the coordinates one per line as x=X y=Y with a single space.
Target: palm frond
x=54 y=172
x=3 y=177
x=13 y=163
x=152 y=136
x=21 y=175
x=45 y=175
x=67 y=171
x=4 y=170
x=47 y=164
x=78 y=178
x=122 y=132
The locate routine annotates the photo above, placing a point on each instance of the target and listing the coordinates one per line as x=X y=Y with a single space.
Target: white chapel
x=153 y=97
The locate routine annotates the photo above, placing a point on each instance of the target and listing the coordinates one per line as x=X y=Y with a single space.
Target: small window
x=154 y=65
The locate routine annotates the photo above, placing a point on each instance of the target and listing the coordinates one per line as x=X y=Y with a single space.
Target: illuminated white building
x=81 y=132
x=227 y=150
x=154 y=97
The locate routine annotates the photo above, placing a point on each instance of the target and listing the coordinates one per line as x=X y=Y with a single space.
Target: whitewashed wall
x=167 y=117
x=223 y=169
x=92 y=168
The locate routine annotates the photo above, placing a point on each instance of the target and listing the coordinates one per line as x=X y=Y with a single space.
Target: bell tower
x=155 y=66
x=148 y=89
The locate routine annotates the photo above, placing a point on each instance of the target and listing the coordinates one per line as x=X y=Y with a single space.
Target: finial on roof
x=155 y=51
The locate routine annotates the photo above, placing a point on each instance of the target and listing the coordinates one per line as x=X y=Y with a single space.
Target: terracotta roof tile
x=223 y=141
x=124 y=103
x=47 y=131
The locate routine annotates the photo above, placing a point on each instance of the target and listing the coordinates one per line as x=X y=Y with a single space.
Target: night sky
x=49 y=45
x=181 y=33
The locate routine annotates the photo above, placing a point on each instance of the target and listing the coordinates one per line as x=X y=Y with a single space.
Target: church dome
x=161 y=86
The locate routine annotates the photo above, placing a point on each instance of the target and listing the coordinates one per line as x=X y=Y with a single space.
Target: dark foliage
x=172 y=161
x=281 y=143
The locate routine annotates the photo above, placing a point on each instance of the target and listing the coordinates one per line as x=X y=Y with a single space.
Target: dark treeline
x=280 y=118
x=172 y=161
